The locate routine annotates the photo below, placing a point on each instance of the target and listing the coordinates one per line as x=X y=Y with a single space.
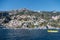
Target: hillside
x=43 y=18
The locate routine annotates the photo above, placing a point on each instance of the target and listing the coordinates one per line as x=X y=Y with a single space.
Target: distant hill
x=29 y=12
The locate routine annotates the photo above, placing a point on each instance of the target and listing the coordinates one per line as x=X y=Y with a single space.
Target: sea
x=26 y=34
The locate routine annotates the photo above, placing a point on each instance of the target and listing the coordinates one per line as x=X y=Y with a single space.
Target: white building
x=14 y=23
x=55 y=17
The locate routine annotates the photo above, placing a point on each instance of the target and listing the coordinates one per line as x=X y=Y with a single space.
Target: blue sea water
x=25 y=34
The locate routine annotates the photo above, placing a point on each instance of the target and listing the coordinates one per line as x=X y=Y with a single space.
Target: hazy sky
x=45 y=5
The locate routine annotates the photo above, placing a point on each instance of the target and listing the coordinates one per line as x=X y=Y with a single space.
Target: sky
x=42 y=5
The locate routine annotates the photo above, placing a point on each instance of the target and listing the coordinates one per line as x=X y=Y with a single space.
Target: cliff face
x=25 y=17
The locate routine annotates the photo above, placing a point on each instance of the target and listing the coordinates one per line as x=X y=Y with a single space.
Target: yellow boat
x=52 y=30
